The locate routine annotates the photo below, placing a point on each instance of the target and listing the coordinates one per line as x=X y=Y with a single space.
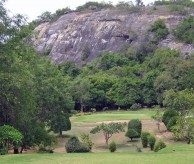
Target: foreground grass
x=112 y=116
x=174 y=154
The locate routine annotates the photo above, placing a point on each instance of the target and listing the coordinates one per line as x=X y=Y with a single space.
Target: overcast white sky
x=34 y=8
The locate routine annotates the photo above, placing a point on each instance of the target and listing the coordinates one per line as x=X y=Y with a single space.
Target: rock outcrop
x=108 y=29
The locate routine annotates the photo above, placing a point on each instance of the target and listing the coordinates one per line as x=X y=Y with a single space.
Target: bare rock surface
x=102 y=30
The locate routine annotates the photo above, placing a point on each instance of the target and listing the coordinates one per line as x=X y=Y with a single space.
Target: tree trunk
x=60 y=132
x=22 y=148
x=82 y=108
x=158 y=124
x=188 y=141
x=16 y=151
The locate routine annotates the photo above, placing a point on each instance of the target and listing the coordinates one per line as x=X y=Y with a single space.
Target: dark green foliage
x=112 y=146
x=185 y=30
x=160 y=30
x=70 y=68
x=151 y=141
x=136 y=125
x=73 y=145
x=168 y=114
x=3 y=150
x=161 y=56
x=135 y=106
x=144 y=139
x=179 y=100
x=60 y=122
x=171 y=122
x=125 y=91
x=94 y=6
x=9 y=135
x=159 y=145
x=110 y=60
x=131 y=133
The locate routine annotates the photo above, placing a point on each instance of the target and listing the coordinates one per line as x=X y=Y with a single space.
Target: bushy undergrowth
x=73 y=145
x=112 y=146
x=159 y=145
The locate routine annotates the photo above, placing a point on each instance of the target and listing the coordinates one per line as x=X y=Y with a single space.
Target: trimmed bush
x=112 y=146
x=136 y=125
x=135 y=106
x=151 y=141
x=75 y=146
x=171 y=123
x=159 y=145
x=144 y=139
x=131 y=133
x=168 y=114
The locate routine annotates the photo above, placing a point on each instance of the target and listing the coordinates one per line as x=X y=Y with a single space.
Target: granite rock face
x=108 y=29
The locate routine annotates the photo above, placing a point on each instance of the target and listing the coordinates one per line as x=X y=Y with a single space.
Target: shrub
x=138 y=149
x=168 y=115
x=131 y=133
x=93 y=110
x=136 y=125
x=86 y=140
x=160 y=30
x=144 y=138
x=184 y=31
x=75 y=146
x=45 y=150
x=171 y=122
x=151 y=141
x=3 y=151
x=135 y=106
x=159 y=145
x=112 y=146
x=74 y=112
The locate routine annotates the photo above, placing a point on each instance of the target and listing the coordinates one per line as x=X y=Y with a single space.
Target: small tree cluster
x=160 y=30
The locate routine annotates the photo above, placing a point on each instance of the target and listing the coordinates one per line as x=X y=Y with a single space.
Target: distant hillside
x=82 y=36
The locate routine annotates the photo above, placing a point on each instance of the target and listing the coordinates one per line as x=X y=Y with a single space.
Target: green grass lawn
x=126 y=153
x=174 y=154
x=111 y=116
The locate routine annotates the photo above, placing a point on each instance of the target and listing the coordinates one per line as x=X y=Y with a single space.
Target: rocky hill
x=95 y=31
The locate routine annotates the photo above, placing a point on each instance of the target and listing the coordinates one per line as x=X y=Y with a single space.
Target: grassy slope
x=176 y=154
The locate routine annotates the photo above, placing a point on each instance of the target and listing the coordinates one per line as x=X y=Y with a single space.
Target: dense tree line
x=33 y=91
